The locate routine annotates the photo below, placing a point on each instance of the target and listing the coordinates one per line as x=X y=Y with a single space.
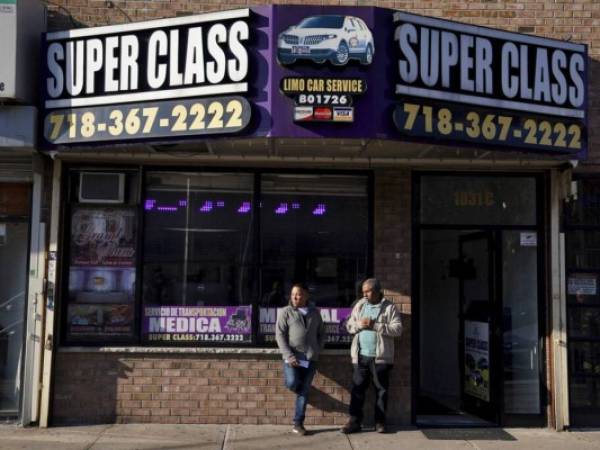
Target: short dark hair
x=300 y=284
x=374 y=283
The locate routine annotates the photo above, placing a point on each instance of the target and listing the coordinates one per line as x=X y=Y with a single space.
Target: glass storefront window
x=218 y=254
x=584 y=358
x=582 y=229
x=585 y=209
x=198 y=257
x=478 y=200
x=314 y=228
x=585 y=392
x=584 y=249
x=102 y=257
x=584 y=322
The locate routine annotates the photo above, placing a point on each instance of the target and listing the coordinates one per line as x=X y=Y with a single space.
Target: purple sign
x=197 y=324
x=335 y=324
x=309 y=71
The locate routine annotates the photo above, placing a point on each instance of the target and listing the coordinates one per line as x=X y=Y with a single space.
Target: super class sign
x=192 y=56
x=462 y=63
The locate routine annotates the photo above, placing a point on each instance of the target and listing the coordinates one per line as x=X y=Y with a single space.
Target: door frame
x=542 y=208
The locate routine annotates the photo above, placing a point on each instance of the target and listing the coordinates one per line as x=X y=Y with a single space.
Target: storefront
x=22 y=228
x=581 y=233
x=207 y=162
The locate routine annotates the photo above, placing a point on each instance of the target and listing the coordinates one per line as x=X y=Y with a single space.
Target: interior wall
x=439 y=367
x=13 y=253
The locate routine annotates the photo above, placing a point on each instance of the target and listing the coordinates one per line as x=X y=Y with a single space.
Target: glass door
x=479 y=289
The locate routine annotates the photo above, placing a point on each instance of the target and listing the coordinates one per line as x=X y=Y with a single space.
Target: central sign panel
x=303 y=71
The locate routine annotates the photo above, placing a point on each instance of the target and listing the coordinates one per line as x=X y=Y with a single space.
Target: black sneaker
x=299 y=429
x=380 y=428
x=351 y=427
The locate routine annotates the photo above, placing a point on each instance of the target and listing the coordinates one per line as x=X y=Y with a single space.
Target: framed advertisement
x=102 y=274
x=103 y=237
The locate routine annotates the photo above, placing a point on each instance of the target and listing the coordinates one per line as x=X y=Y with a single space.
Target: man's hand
x=292 y=361
x=366 y=323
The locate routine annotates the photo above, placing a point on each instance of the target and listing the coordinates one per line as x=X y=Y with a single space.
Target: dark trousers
x=364 y=372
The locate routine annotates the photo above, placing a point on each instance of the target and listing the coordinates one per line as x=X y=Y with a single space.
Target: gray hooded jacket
x=298 y=335
x=387 y=326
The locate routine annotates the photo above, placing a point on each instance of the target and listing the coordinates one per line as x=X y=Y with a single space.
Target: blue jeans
x=298 y=380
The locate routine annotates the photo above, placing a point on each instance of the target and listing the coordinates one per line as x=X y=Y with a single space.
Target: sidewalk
x=266 y=437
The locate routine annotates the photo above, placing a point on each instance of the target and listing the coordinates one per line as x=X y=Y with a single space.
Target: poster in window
x=103 y=237
x=477 y=360
x=581 y=284
x=104 y=321
x=189 y=324
x=101 y=284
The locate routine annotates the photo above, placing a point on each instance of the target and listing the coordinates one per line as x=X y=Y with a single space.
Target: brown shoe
x=351 y=427
x=380 y=427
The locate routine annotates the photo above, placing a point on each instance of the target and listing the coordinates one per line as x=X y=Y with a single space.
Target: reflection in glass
x=584 y=392
x=584 y=358
x=583 y=271
x=478 y=200
x=314 y=229
x=585 y=208
x=520 y=324
x=584 y=323
x=13 y=254
x=583 y=249
x=439 y=316
x=198 y=239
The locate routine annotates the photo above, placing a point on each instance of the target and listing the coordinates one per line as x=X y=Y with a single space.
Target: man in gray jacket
x=374 y=322
x=300 y=335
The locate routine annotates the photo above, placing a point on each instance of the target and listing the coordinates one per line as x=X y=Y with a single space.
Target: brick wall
x=191 y=388
x=248 y=389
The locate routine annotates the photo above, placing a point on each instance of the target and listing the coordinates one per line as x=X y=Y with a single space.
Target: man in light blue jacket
x=375 y=322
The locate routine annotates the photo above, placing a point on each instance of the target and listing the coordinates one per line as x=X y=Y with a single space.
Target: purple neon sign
x=208 y=206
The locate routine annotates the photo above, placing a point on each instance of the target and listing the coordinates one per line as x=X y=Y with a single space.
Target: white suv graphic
x=320 y=38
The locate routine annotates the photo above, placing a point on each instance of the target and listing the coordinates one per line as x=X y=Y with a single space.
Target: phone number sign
x=482 y=126
x=218 y=115
x=469 y=84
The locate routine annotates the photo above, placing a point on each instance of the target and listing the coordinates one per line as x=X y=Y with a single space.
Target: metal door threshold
x=459 y=420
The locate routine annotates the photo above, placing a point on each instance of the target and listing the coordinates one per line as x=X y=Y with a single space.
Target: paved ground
x=264 y=437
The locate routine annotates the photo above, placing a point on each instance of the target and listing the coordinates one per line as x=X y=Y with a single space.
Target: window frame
x=569 y=228
x=141 y=171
